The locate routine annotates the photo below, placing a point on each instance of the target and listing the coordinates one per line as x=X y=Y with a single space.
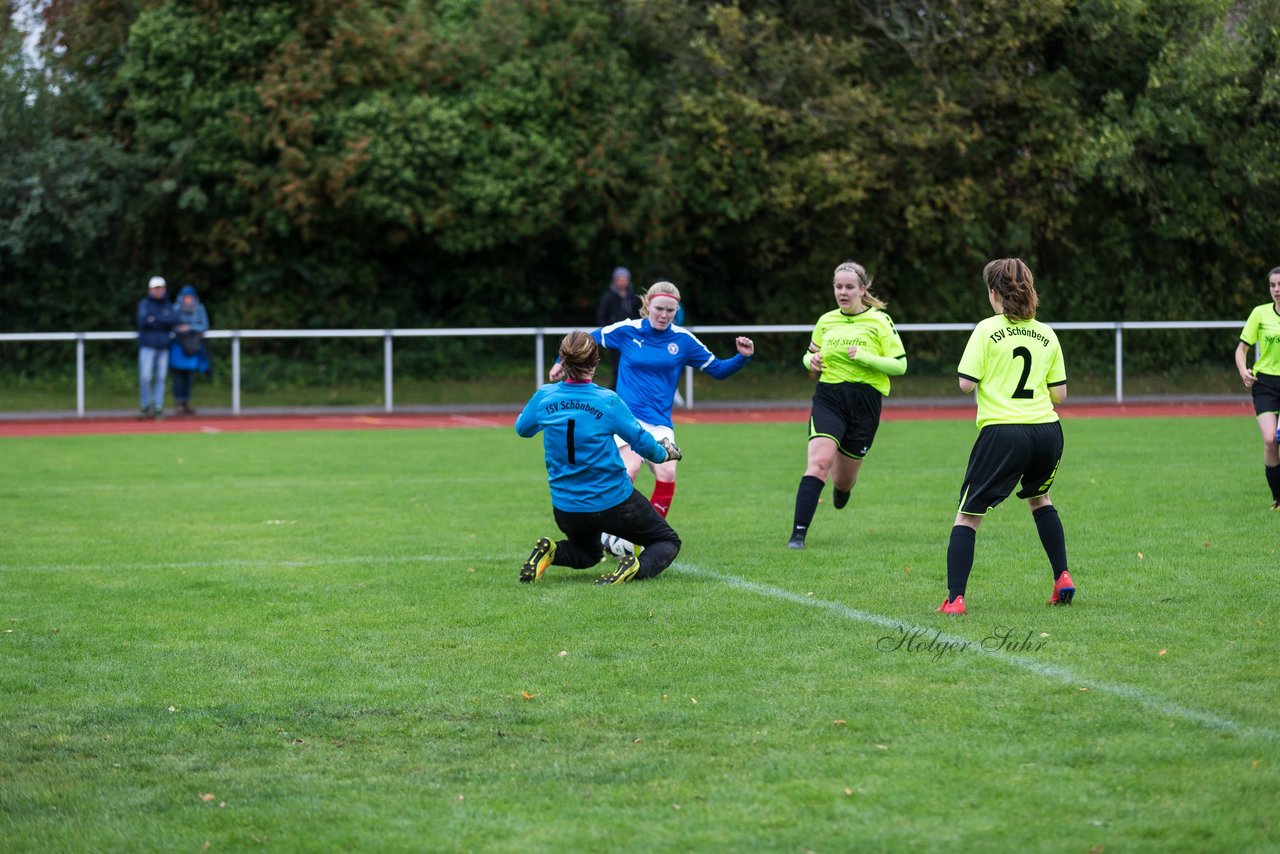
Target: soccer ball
x=616 y=545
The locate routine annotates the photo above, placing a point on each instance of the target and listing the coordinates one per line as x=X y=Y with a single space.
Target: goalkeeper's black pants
x=634 y=519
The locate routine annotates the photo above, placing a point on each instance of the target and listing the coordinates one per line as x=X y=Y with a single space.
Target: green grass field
x=316 y=642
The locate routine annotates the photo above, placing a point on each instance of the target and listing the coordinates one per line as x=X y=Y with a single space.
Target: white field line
x=1052 y=672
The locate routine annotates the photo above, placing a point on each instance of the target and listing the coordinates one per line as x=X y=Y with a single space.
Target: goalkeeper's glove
x=673 y=451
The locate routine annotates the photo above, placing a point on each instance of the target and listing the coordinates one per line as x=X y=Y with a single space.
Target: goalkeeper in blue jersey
x=590 y=490
x=654 y=351
x=1262 y=330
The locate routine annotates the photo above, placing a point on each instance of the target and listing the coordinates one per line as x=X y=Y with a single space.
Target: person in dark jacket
x=618 y=302
x=155 y=328
x=187 y=353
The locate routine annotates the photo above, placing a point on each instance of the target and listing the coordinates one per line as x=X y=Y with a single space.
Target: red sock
x=661 y=498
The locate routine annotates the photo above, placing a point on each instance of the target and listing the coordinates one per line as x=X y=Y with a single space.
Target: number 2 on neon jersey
x=1022 y=392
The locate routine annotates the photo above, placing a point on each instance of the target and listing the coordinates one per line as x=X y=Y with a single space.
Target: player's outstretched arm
x=622 y=423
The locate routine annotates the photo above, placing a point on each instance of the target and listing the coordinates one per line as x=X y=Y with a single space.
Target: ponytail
x=1012 y=281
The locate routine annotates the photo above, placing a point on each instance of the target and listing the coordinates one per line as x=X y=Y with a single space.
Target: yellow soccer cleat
x=626 y=571
x=544 y=551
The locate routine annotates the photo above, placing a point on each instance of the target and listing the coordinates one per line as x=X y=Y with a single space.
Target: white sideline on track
x=1056 y=673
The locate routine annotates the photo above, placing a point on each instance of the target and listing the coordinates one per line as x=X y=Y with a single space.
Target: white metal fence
x=540 y=334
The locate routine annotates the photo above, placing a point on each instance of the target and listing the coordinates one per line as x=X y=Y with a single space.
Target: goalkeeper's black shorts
x=849 y=413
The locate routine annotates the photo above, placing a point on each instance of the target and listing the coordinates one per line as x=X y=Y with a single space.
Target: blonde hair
x=658 y=289
x=863 y=279
x=1012 y=281
x=579 y=354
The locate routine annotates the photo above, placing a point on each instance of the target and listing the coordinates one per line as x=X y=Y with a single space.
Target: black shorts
x=1005 y=454
x=849 y=413
x=1266 y=394
x=634 y=519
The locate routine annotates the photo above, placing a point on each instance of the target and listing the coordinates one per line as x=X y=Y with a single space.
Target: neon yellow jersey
x=873 y=329
x=1013 y=363
x=1263 y=328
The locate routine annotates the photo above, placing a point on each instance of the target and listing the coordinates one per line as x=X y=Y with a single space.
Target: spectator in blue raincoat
x=187 y=353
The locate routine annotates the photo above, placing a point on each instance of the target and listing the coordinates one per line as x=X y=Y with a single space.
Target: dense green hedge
x=336 y=163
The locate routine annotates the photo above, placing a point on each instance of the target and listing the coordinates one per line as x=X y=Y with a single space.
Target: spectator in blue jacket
x=187 y=353
x=155 y=328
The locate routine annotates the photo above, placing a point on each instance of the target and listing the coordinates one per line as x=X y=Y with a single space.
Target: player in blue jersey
x=653 y=353
x=590 y=490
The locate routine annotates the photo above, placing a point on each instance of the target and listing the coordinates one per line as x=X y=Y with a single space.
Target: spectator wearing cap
x=156 y=320
x=619 y=302
x=187 y=353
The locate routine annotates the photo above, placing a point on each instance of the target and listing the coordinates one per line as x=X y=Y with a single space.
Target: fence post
x=235 y=372
x=539 y=357
x=386 y=372
x=1119 y=362
x=80 y=375
x=688 y=387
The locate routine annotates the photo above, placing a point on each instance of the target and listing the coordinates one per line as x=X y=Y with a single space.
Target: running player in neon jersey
x=1263 y=330
x=1015 y=363
x=854 y=350
x=590 y=490
x=654 y=352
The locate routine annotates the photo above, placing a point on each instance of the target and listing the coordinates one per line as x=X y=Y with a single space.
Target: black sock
x=806 y=503
x=1054 y=541
x=1273 y=481
x=841 y=497
x=959 y=559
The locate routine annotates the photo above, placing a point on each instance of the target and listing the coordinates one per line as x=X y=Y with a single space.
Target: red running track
x=249 y=423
